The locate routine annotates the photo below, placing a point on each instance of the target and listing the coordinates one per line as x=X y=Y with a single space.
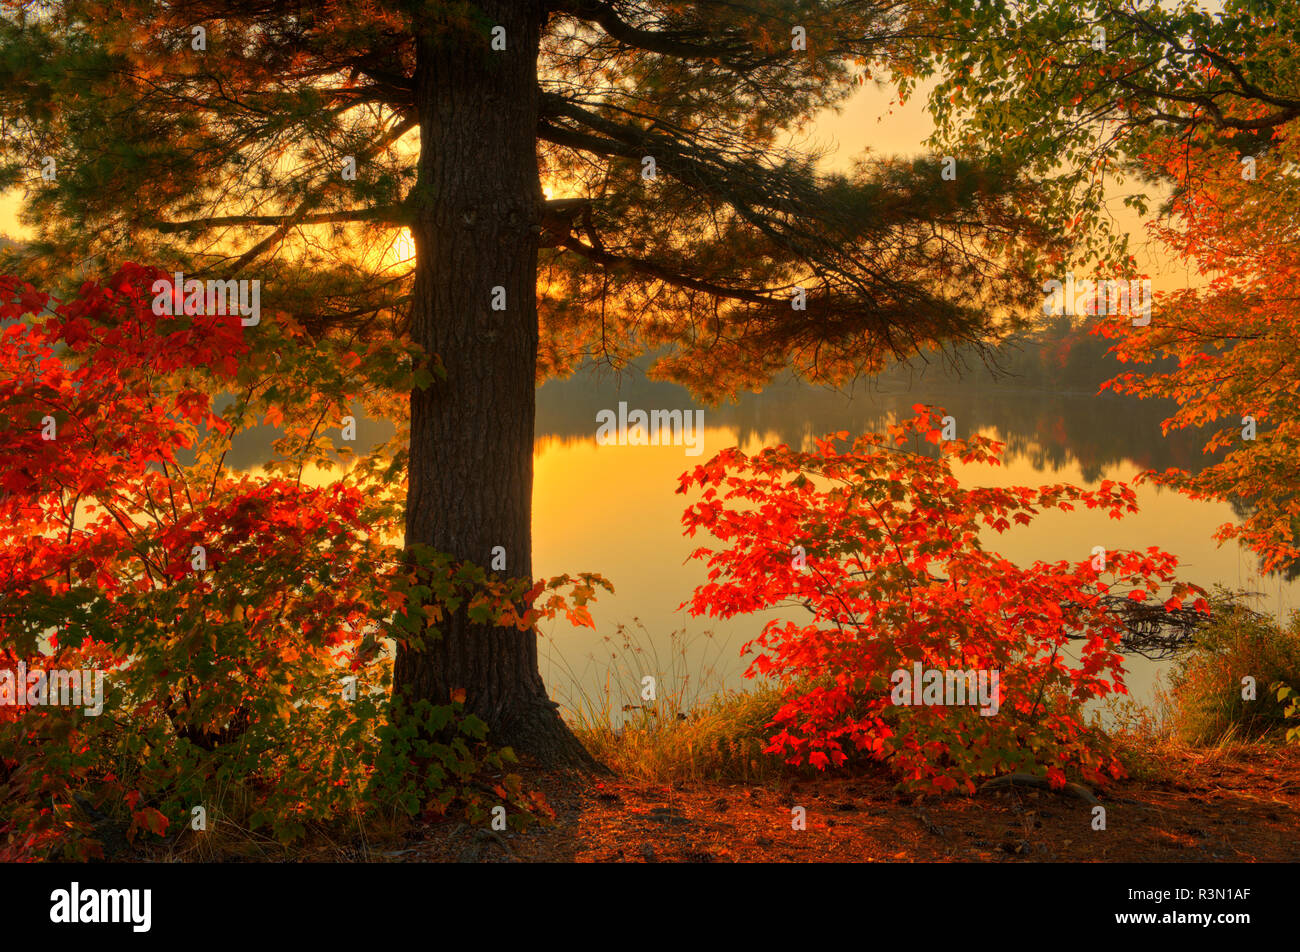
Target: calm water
x=613 y=509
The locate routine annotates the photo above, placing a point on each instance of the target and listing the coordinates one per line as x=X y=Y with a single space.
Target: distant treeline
x=1060 y=357
x=1040 y=392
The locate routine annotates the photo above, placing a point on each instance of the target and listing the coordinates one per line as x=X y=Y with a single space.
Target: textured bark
x=476 y=215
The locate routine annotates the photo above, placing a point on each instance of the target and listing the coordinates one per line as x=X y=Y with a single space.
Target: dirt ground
x=1239 y=806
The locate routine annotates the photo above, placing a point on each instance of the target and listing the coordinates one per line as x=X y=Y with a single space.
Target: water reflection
x=613 y=509
x=1050 y=430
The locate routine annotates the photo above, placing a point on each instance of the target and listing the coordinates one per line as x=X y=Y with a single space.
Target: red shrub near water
x=882 y=546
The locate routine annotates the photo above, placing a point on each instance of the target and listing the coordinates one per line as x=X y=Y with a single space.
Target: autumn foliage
x=885 y=549
x=244 y=622
x=1223 y=348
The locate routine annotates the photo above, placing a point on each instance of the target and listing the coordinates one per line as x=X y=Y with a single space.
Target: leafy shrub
x=241 y=622
x=1206 y=684
x=1291 y=697
x=882 y=546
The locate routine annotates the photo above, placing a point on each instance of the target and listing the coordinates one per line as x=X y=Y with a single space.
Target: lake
x=613 y=509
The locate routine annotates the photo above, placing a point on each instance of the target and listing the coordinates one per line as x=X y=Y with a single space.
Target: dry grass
x=1153 y=745
x=692 y=729
x=721 y=740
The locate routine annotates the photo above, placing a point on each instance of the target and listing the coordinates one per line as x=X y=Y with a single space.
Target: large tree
x=686 y=218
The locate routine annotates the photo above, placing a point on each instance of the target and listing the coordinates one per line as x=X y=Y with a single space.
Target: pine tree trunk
x=476 y=209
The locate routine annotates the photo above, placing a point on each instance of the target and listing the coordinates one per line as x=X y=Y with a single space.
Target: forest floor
x=1236 y=805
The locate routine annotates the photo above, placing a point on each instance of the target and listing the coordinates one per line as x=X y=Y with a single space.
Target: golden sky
x=866 y=122
x=871 y=120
